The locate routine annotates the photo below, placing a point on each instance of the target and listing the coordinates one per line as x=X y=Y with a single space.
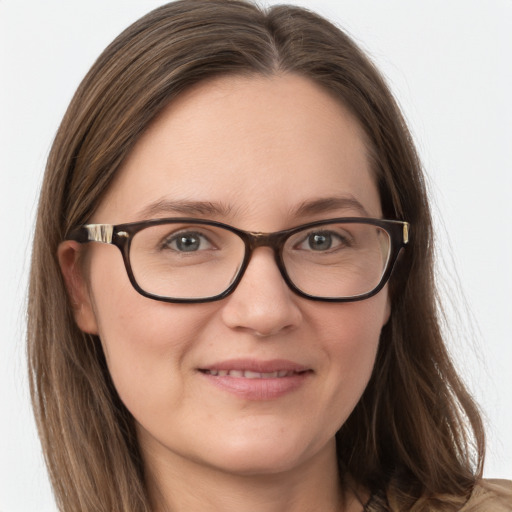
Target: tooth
x=252 y=375
x=249 y=374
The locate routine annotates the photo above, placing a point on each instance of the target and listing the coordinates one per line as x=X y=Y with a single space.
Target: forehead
x=258 y=146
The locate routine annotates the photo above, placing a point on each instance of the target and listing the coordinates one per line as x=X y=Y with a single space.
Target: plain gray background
x=449 y=64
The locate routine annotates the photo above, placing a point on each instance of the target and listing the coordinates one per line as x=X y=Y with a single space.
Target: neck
x=313 y=486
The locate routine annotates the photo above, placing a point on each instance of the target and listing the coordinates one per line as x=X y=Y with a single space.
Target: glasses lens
x=337 y=260
x=185 y=260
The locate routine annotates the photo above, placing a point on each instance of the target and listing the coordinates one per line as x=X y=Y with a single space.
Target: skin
x=260 y=147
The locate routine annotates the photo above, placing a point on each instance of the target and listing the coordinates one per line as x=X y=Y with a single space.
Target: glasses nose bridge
x=275 y=241
x=257 y=239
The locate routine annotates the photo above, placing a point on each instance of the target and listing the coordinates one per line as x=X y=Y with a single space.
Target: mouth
x=249 y=374
x=255 y=369
x=257 y=380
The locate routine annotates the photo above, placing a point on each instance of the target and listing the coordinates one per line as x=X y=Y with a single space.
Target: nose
x=262 y=303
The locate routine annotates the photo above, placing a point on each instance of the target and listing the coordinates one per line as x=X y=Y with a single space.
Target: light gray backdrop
x=448 y=62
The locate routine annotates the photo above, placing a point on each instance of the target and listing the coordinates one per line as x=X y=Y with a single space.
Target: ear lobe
x=68 y=255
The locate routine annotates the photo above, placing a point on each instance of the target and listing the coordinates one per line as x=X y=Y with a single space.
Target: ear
x=72 y=270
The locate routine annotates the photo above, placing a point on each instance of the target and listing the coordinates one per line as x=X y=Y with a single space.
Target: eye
x=321 y=241
x=187 y=241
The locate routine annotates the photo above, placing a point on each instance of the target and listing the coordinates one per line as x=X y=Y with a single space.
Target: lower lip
x=258 y=389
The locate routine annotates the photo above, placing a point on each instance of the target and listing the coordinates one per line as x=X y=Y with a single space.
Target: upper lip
x=255 y=365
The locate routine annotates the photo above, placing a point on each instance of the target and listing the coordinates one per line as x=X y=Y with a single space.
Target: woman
x=265 y=335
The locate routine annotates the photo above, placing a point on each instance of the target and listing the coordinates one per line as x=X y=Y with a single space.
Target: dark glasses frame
x=121 y=236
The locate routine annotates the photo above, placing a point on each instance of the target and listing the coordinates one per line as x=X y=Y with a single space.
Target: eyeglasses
x=191 y=260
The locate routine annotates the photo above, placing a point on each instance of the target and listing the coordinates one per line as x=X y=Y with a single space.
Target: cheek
x=350 y=334
x=146 y=343
x=149 y=355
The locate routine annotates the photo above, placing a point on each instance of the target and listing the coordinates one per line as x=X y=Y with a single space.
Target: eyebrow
x=327 y=204
x=183 y=207
x=215 y=209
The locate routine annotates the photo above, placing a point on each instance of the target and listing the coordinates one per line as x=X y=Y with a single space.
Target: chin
x=253 y=463
x=265 y=454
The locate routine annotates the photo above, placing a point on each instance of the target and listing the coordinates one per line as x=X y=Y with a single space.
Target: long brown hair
x=415 y=439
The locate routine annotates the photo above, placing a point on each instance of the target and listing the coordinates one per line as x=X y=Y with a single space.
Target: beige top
x=490 y=496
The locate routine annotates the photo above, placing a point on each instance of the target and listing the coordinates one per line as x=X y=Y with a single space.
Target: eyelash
x=343 y=240
x=174 y=238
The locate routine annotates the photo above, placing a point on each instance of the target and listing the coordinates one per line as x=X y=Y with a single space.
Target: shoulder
x=490 y=496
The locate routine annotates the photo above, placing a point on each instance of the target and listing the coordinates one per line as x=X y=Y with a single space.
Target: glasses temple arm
x=92 y=233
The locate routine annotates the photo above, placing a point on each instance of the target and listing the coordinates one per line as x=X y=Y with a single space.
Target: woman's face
x=261 y=154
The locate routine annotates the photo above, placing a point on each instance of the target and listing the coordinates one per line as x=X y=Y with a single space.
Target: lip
x=262 y=387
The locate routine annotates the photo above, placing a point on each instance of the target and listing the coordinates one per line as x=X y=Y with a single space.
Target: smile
x=249 y=374
x=256 y=380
